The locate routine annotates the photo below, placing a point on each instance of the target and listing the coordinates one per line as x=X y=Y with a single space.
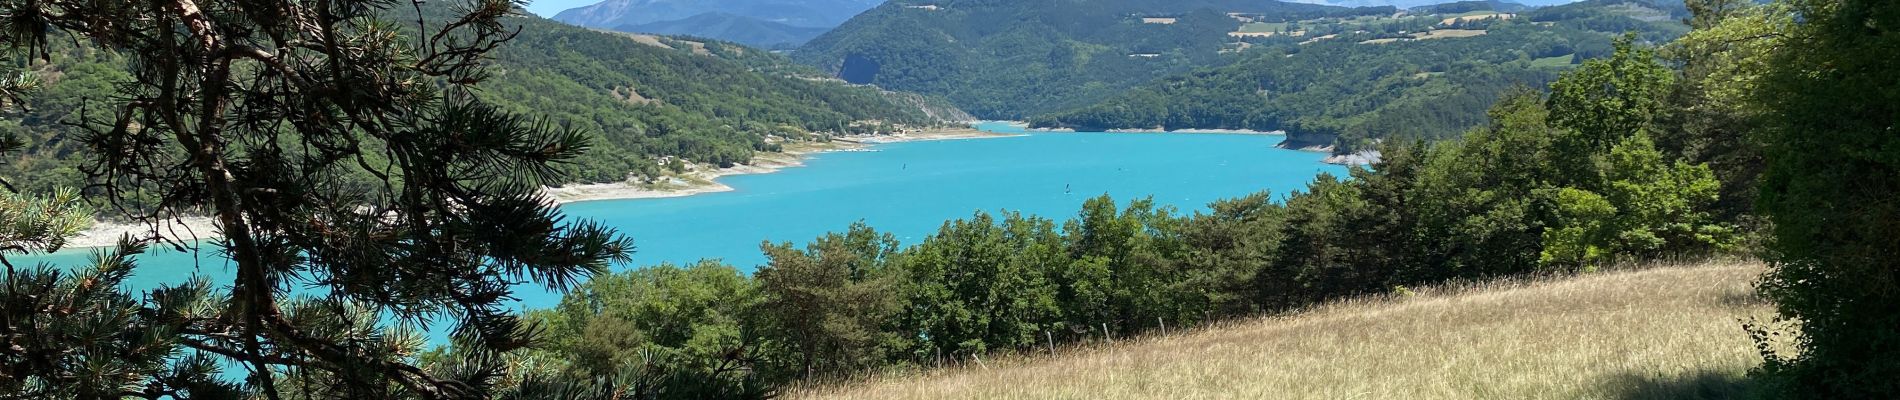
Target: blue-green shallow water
x=907 y=189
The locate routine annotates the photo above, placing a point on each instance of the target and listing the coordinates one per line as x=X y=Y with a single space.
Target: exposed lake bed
x=702 y=179
x=910 y=188
x=905 y=187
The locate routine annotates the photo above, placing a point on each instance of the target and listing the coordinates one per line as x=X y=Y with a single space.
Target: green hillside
x=709 y=102
x=645 y=97
x=1012 y=59
x=1350 y=82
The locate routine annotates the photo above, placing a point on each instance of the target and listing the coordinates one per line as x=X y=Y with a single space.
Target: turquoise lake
x=907 y=189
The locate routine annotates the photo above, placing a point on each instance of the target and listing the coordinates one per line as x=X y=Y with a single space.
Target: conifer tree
x=359 y=188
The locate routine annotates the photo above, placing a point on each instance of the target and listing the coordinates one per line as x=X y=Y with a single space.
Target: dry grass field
x=1650 y=333
x=1475 y=16
x=1448 y=33
x=1263 y=27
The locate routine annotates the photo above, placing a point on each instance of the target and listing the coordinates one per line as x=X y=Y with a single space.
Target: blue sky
x=547 y=8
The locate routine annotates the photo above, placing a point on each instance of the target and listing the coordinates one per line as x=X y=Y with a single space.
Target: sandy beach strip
x=698 y=179
x=1202 y=131
x=701 y=179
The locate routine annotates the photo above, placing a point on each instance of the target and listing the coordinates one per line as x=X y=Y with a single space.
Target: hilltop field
x=1647 y=333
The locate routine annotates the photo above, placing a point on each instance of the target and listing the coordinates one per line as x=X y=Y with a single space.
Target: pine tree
x=830 y=300
x=340 y=151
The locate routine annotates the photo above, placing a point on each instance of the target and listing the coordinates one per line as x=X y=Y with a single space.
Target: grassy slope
x=1664 y=332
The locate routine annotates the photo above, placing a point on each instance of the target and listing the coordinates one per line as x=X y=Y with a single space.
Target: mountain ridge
x=1422 y=3
x=1010 y=60
x=731 y=27
x=648 y=100
x=612 y=14
x=1363 y=74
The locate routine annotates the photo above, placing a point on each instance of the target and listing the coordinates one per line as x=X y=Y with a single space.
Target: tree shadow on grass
x=1706 y=385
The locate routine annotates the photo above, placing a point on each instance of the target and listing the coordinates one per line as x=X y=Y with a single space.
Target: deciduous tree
x=1829 y=189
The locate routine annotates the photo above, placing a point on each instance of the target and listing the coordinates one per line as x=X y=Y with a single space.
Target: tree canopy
x=1833 y=167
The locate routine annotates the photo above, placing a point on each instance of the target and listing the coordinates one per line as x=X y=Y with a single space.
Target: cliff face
x=1309 y=141
x=1362 y=157
x=935 y=108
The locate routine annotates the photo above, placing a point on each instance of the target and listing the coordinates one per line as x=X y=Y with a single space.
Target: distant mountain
x=733 y=28
x=1644 y=10
x=1008 y=59
x=613 y=14
x=1421 y=3
x=656 y=97
x=650 y=99
x=1347 y=84
x=1469 y=6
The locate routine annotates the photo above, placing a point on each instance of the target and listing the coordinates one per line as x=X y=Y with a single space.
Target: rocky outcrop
x=1309 y=141
x=1364 y=157
x=935 y=108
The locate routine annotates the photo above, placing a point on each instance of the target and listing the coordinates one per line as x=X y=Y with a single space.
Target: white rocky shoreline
x=1362 y=157
x=1164 y=130
x=698 y=179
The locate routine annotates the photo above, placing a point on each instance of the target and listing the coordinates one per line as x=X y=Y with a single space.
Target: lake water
x=908 y=189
